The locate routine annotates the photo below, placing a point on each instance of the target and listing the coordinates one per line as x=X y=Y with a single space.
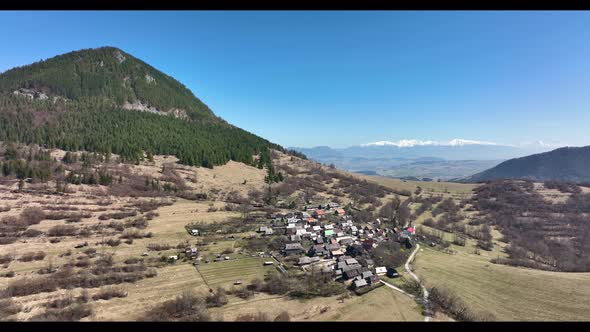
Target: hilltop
x=564 y=164
x=106 y=100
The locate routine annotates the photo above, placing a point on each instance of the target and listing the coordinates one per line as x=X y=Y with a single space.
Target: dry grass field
x=382 y=304
x=457 y=190
x=225 y=273
x=509 y=293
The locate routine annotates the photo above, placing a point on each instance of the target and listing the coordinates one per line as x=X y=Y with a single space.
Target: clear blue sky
x=344 y=78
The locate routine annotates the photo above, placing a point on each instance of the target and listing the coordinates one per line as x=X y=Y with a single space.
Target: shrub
x=487 y=245
x=32 y=215
x=62 y=230
x=185 y=307
x=150 y=273
x=90 y=252
x=7 y=240
x=137 y=223
x=24 y=287
x=82 y=262
x=32 y=256
x=8 y=307
x=242 y=292
x=117 y=226
x=217 y=298
x=450 y=303
x=133 y=233
x=256 y=285
x=9 y=274
x=228 y=251
x=60 y=302
x=117 y=215
x=459 y=240
x=7 y=258
x=132 y=260
x=112 y=242
x=276 y=284
x=74 y=312
x=283 y=317
x=428 y=222
x=158 y=246
x=109 y=293
x=32 y=233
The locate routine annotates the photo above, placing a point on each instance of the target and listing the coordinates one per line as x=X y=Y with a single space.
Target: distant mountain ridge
x=453 y=159
x=414 y=142
x=570 y=164
x=456 y=149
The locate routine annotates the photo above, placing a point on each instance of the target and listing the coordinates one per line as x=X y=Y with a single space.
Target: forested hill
x=105 y=74
x=564 y=164
x=106 y=100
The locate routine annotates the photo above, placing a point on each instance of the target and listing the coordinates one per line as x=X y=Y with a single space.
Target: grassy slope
x=509 y=293
x=456 y=189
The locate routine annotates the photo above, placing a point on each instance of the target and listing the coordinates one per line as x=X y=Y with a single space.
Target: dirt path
x=427 y=314
x=396 y=288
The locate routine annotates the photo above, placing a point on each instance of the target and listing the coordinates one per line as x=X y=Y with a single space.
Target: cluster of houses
x=327 y=231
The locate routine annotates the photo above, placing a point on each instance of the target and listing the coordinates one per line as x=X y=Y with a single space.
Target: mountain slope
x=563 y=164
x=107 y=74
x=106 y=100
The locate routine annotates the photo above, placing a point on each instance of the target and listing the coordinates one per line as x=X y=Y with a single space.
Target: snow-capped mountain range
x=404 y=143
x=414 y=142
x=388 y=157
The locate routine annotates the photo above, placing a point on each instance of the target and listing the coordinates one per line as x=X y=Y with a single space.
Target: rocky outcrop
x=33 y=94
x=140 y=106
x=119 y=56
x=150 y=79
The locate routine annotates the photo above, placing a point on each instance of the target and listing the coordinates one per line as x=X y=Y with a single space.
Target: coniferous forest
x=80 y=108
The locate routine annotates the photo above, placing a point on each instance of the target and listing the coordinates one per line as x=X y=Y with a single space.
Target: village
x=323 y=239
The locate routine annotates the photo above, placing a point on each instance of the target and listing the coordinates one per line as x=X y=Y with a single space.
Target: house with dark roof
x=351 y=261
x=350 y=274
x=360 y=283
x=332 y=246
x=366 y=274
x=293 y=248
x=307 y=260
x=318 y=250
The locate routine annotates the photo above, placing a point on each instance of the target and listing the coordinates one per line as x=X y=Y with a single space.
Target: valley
x=123 y=197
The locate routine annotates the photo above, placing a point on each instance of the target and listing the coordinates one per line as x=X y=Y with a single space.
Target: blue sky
x=342 y=78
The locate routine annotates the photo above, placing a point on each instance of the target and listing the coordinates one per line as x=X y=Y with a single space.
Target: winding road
x=427 y=314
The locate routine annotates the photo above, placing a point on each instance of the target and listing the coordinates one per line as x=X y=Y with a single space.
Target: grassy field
x=455 y=189
x=171 y=281
x=225 y=273
x=509 y=293
x=382 y=304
